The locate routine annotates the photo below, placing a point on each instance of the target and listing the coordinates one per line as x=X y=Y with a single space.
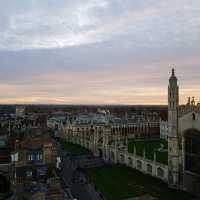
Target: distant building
x=35 y=159
x=97 y=131
x=20 y=111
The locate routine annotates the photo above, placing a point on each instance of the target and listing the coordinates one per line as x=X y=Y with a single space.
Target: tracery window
x=192 y=151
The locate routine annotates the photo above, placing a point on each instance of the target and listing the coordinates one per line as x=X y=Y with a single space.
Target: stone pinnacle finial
x=173 y=76
x=173 y=72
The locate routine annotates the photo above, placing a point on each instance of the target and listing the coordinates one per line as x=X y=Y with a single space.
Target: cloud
x=91 y=51
x=46 y=24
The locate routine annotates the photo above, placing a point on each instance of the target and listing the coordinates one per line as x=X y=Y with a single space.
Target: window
x=160 y=172
x=139 y=164
x=192 y=151
x=39 y=156
x=30 y=157
x=29 y=173
x=149 y=168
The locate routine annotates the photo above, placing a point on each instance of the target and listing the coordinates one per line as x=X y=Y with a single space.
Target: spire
x=173 y=77
x=173 y=72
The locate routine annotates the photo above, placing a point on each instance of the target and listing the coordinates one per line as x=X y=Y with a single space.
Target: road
x=75 y=182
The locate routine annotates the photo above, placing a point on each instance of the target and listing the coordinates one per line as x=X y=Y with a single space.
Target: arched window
x=192 y=151
x=130 y=161
x=149 y=168
x=160 y=172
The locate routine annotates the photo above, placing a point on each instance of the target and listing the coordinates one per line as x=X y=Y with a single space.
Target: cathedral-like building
x=182 y=169
x=183 y=141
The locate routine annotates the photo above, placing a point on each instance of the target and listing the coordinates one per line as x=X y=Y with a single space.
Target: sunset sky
x=98 y=51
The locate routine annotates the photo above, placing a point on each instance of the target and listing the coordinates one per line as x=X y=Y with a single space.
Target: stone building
x=97 y=133
x=183 y=141
x=108 y=140
x=20 y=111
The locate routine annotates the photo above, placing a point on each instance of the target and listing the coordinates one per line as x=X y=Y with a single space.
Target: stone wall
x=139 y=163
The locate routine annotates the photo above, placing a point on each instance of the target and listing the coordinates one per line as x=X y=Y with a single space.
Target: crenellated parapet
x=191 y=106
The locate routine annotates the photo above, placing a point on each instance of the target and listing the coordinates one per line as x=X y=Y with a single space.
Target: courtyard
x=118 y=182
x=159 y=146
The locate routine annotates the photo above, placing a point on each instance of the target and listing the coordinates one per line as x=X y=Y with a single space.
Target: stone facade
x=109 y=141
x=97 y=137
x=183 y=141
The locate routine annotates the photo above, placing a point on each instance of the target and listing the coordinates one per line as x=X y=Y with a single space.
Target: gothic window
x=160 y=172
x=192 y=151
x=149 y=168
x=193 y=116
x=139 y=164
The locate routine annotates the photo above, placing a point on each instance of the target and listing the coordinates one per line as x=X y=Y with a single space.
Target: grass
x=74 y=148
x=150 y=146
x=119 y=182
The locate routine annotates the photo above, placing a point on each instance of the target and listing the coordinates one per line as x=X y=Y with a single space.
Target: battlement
x=191 y=106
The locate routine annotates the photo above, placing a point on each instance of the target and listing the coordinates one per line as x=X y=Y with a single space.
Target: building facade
x=98 y=135
x=34 y=159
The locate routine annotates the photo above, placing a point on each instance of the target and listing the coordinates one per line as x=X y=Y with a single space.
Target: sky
x=98 y=51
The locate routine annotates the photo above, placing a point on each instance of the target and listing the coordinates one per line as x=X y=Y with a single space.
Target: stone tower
x=173 y=144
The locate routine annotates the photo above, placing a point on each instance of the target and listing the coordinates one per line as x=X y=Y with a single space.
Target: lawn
x=119 y=182
x=150 y=146
x=74 y=148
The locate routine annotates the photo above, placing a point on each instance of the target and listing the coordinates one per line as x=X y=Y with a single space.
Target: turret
x=173 y=92
x=173 y=141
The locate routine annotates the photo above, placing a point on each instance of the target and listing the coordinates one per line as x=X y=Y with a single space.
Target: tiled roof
x=36 y=143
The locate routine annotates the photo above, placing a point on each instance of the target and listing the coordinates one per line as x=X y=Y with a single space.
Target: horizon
x=83 y=105
x=98 y=52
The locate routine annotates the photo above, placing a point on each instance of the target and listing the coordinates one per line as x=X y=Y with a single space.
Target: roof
x=36 y=143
